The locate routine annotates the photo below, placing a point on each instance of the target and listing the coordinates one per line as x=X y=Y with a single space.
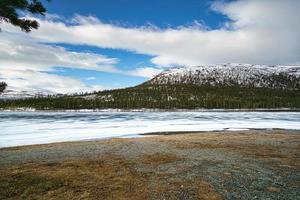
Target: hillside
x=181 y=96
x=227 y=75
x=218 y=86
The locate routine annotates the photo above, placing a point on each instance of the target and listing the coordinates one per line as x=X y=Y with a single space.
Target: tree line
x=167 y=97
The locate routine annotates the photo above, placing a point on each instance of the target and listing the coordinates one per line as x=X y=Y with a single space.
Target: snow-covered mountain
x=243 y=75
x=16 y=94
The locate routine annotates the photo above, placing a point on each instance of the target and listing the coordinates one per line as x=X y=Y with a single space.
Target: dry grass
x=108 y=177
x=196 y=145
x=145 y=176
x=273 y=189
x=232 y=142
x=205 y=192
x=158 y=158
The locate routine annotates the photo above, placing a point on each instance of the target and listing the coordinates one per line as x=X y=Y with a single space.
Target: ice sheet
x=24 y=128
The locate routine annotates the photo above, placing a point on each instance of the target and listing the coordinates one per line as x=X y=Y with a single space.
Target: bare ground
x=214 y=165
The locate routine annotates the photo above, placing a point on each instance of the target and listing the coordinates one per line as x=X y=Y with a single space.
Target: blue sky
x=126 y=61
x=166 y=13
x=131 y=13
x=94 y=45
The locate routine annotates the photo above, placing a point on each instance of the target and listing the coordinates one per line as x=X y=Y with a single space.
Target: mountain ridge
x=203 y=87
x=242 y=75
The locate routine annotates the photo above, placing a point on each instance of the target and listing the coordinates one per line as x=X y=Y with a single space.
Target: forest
x=181 y=96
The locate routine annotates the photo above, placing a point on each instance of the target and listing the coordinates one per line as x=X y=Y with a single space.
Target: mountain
x=240 y=75
x=11 y=93
x=228 y=86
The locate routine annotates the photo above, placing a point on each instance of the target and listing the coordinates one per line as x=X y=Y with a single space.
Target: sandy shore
x=215 y=165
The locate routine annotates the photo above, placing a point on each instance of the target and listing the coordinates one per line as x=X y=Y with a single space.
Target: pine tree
x=3 y=86
x=9 y=13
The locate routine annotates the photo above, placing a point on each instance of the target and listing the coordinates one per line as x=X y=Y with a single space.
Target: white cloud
x=91 y=78
x=261 y=31
x=24 y=64
x=147 y=72
x=258 y=32
x=39 y=82
x=19 y=52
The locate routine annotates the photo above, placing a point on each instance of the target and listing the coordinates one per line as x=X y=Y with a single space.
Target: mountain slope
x=215 y=86
x=241 y=75
x=180 y=96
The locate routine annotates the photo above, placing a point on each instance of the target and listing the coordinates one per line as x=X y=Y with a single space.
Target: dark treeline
x=167 y=97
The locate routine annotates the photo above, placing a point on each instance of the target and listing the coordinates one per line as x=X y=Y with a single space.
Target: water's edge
x=155 y=134
x=219 y=131
x=154 y=110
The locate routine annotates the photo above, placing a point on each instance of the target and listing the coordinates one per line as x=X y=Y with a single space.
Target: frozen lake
x=24 y=128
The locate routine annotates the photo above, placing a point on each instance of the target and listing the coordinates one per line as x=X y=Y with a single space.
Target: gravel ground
x=237 y=165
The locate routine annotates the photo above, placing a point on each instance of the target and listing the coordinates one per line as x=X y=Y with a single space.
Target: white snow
x=227 y=74
x=24 y=128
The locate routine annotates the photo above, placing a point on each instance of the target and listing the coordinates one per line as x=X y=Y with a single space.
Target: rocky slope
x=244 y=75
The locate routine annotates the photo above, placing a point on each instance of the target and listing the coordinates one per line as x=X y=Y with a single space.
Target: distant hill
x=11 y=94
x=231 y=86
x=228 y=75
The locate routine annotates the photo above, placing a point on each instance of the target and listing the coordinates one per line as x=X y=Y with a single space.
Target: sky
x=84 y=46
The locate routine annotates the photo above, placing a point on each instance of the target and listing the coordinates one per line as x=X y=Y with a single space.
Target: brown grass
x=205 y=192
x=108 y=177
x=158 y=158
x=105 y=178
x=273 y=189
x=279 y=155
x=113 y=177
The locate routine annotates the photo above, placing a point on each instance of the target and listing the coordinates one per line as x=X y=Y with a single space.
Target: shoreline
x=225 y=131
x=165 y=133
x=162 y=134
x=262 y=164
x=153 y=110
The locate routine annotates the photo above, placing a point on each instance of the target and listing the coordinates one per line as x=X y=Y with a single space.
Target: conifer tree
x=9 y=12
x=3 y=86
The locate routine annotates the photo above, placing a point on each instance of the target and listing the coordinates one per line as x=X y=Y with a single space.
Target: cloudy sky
x=101 y=44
